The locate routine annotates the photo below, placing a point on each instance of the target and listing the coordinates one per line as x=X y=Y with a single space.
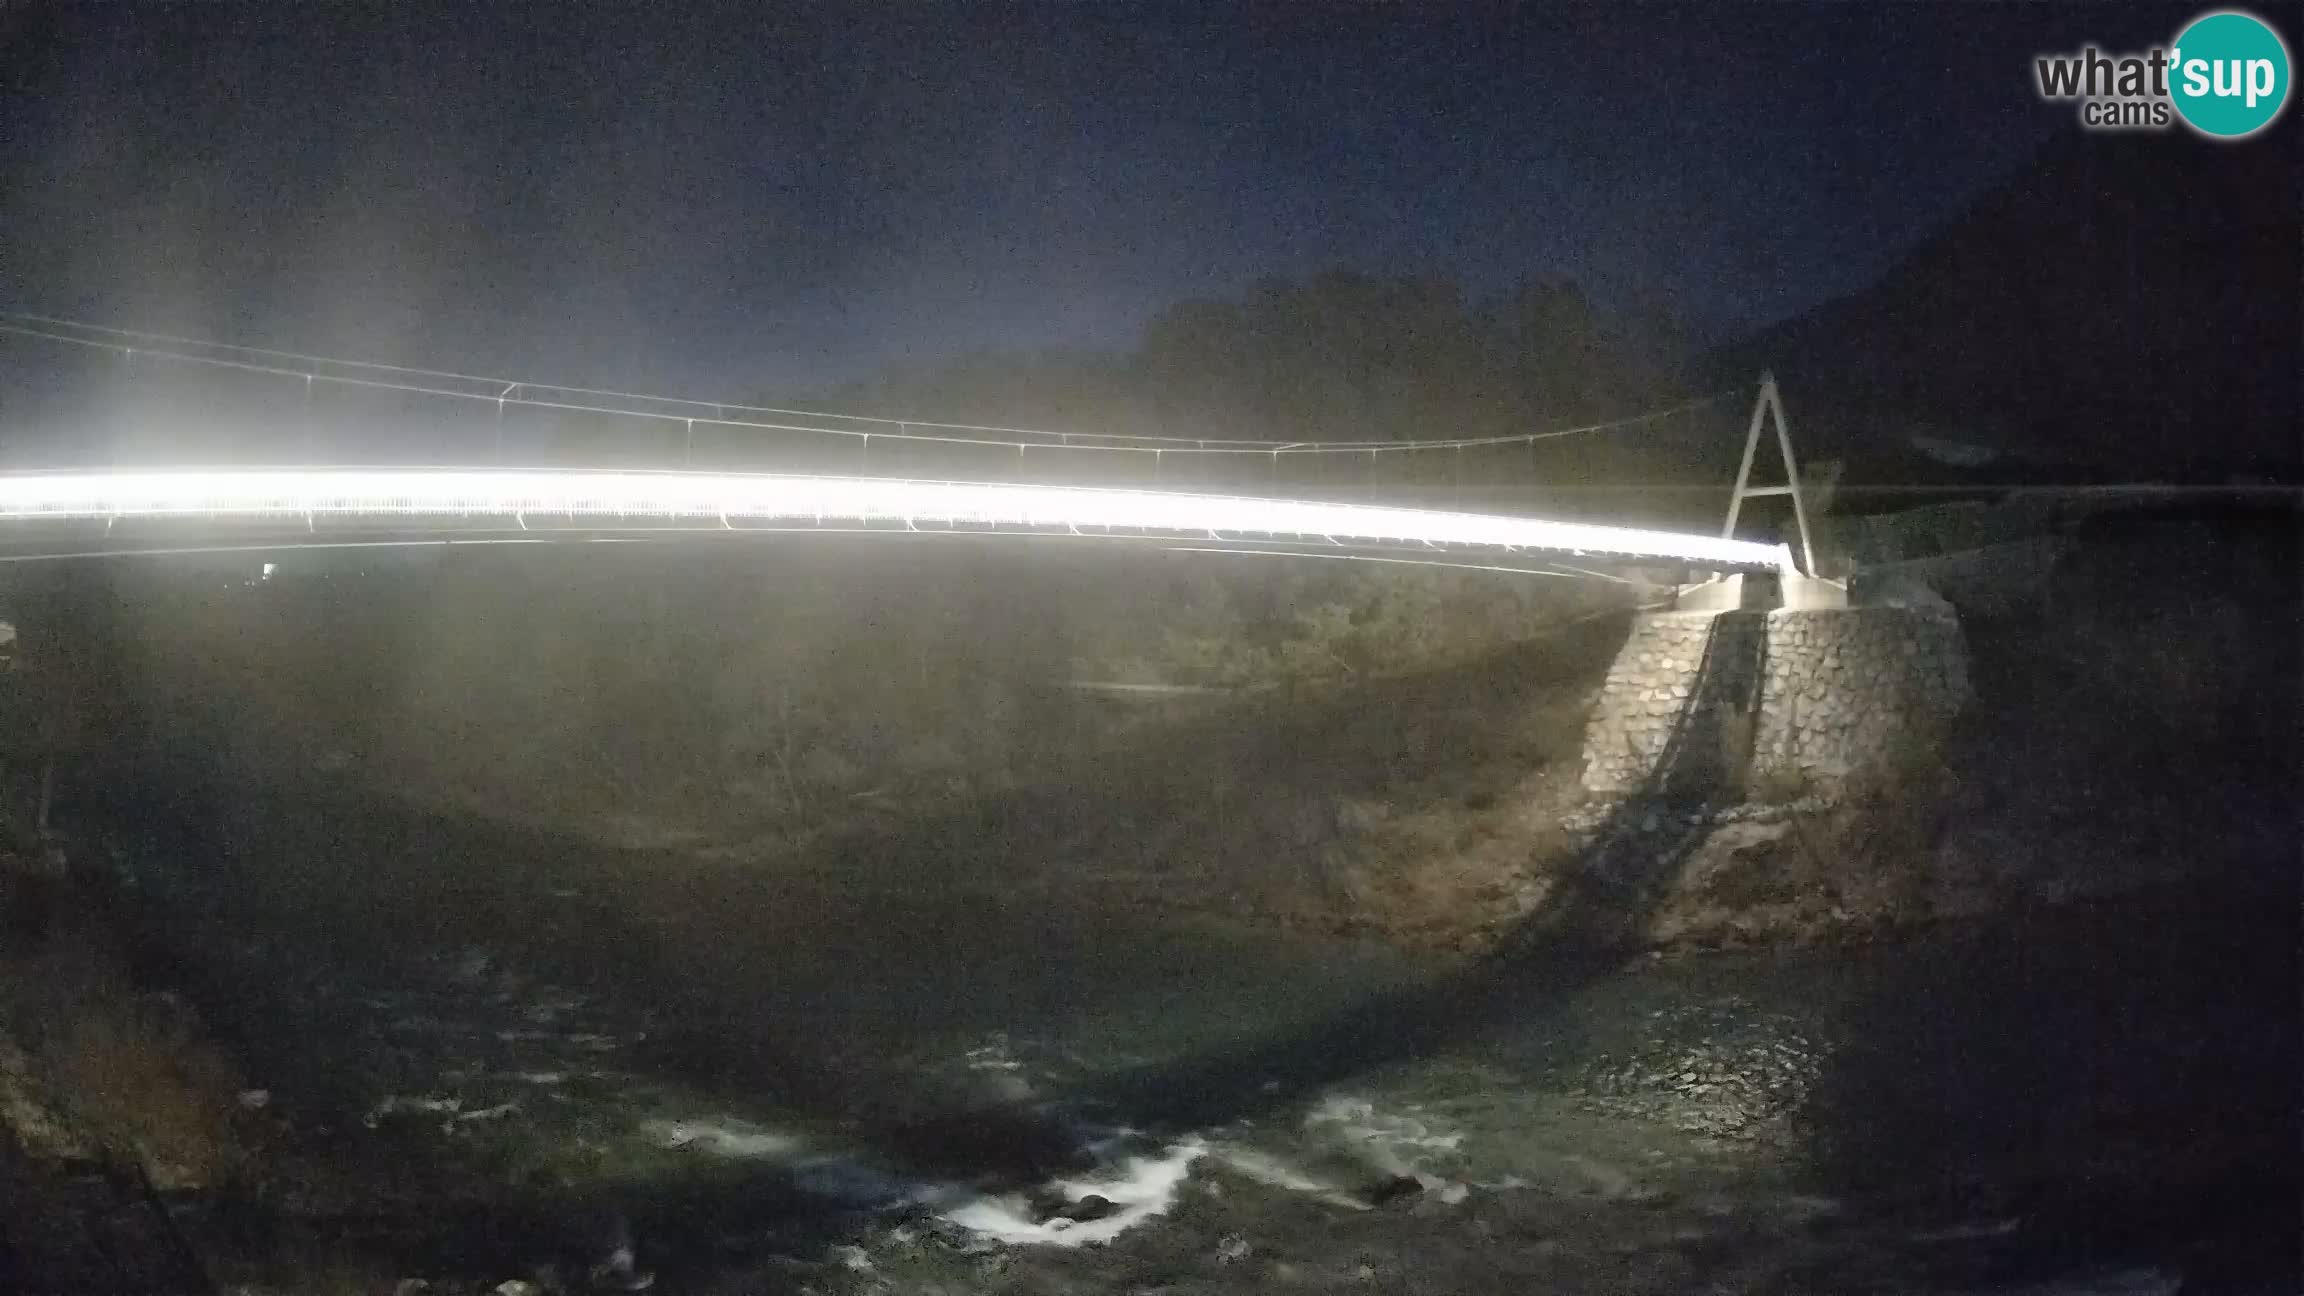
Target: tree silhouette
x=1340 y=356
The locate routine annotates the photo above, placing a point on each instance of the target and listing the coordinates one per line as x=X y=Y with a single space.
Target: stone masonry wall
x=1662 y=711
x=1846 y=690
x=1705 y=704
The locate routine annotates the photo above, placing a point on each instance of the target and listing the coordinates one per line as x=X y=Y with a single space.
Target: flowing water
x=506 y=1047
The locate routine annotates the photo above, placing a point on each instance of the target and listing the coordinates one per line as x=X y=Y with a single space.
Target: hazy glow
x=732 y=499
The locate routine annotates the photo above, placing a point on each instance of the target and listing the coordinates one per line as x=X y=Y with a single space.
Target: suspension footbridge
x=533 y=462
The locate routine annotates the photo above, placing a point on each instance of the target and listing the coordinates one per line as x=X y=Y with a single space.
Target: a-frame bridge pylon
x=1770 y=408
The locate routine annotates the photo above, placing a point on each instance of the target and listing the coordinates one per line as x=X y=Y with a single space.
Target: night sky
x=753 y=200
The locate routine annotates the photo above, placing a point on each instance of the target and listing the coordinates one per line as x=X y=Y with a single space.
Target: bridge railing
x=81 y=396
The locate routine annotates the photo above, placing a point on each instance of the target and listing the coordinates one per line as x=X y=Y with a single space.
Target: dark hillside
x=2126 y=300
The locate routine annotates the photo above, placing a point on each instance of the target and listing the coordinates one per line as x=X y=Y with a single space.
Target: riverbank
x=477 y=1064
x=1440 y=812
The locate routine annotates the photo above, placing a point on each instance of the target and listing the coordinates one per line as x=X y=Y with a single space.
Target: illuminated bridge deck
x=115 y=511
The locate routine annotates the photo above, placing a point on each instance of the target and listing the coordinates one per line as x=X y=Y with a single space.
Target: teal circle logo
x=2229 y=75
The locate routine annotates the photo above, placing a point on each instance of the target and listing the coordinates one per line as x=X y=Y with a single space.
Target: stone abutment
x=1713 y=704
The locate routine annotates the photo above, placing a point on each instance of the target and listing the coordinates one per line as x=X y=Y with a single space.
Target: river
x=498 y=1049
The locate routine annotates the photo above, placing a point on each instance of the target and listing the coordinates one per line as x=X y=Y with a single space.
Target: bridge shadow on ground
x=1587 y=928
